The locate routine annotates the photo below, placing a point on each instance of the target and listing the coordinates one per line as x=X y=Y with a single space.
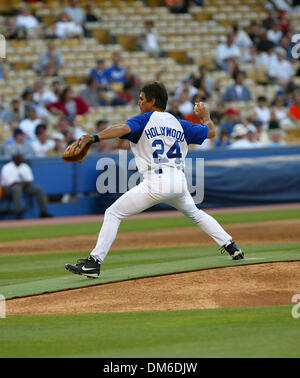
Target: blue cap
x=100 y=60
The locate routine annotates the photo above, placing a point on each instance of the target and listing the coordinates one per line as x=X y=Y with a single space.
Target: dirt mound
x=243 y=285
x=259 y=232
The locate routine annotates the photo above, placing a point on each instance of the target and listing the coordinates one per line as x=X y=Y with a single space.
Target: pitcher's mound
x=243 y=285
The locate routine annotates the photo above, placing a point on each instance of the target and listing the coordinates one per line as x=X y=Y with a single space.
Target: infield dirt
x=248 y=233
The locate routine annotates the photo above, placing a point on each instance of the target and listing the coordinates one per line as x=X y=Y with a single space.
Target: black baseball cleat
x=87 y=267
x=235 y=252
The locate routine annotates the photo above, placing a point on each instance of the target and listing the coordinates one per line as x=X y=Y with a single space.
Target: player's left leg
x=185 y=204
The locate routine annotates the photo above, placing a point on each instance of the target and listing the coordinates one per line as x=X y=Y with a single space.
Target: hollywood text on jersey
x=164 y=131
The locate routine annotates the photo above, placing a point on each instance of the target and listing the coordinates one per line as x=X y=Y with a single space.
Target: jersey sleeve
x=194 y=133
x=137 y=124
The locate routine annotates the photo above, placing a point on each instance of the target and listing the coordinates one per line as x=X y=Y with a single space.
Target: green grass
x=27 y=274
x=88 y=228
x=232 y=332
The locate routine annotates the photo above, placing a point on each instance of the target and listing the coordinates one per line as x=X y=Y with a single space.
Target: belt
x=160 y=170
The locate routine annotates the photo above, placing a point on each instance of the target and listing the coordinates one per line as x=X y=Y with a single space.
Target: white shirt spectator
x=67 y=29
x=274 y=36
x=243 y=143
x=281 y=69
x=266 y=59
x=242 y=40
x=225 y=52
x=28 y=22
x=45 y=97
x=28 y=126
x=186 y=107
x=75 y=13
x=11 y=173
x=41 y=149
x=263 y=114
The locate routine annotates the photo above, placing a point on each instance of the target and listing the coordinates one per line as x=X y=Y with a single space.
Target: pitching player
x=159 y=143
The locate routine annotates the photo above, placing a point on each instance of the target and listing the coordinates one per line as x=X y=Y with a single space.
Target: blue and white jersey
x=159 y=139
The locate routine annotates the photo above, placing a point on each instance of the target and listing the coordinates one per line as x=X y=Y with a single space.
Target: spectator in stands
x=59 y=144
x=281 y=71
x=262 y=111
x=16 y=180
x=255 y=33
x=133 y=82
x=99 y=73
x=41 y=95
x=77 y=129
x=252 y=135
x=241 y=39
x=75 y=12
x=19 y=144
x=27 y=23
x=148 y=40
x=28 y=101
x=125 y=94
x=186 y=86
x=50 y=61
x=102 y=98
x=68 y=104
x=90 y=15
x=185 y=104
x=267 y=58
x=43 y=143
x=205 y=81
x=217 y=113
x=116 y=73
x=274 y=34
x=261 y=134
x=174 y=109
x=29 y=124
x=90 y=93
x=3 y=74
x=227 y=54
x=294 y=108
x=232 y=118
x=15 y=114
x=105 y=145
x=272 y=17
x=279 y=113
x=11 y=30
x=66 y=28
x=276 y=138
x=242 y=137
x=224 y=139
x=238 y=91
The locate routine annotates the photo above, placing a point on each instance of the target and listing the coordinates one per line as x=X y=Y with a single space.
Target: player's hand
x=201 y=111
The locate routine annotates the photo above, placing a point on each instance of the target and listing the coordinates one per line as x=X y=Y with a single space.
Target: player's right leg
x=185 y=204
x=132 y=202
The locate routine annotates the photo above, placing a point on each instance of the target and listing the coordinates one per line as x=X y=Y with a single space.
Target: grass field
x=261 y=331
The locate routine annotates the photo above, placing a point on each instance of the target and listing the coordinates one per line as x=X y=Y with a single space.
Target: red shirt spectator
x=68 y=104
x=294 y=109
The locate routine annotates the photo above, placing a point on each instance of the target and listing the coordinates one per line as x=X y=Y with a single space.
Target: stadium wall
x=231 y=178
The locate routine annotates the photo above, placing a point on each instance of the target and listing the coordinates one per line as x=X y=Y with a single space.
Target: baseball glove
x=78 y=150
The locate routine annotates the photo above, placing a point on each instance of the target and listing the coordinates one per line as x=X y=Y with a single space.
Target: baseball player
x=159 y=142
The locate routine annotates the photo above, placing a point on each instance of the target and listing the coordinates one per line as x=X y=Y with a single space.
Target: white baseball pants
x=169 y=187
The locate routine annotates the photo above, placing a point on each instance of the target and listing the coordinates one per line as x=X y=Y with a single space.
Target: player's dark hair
x=158 y=91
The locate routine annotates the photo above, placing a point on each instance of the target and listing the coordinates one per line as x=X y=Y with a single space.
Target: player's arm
x=202 y=112
x=116 y=131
